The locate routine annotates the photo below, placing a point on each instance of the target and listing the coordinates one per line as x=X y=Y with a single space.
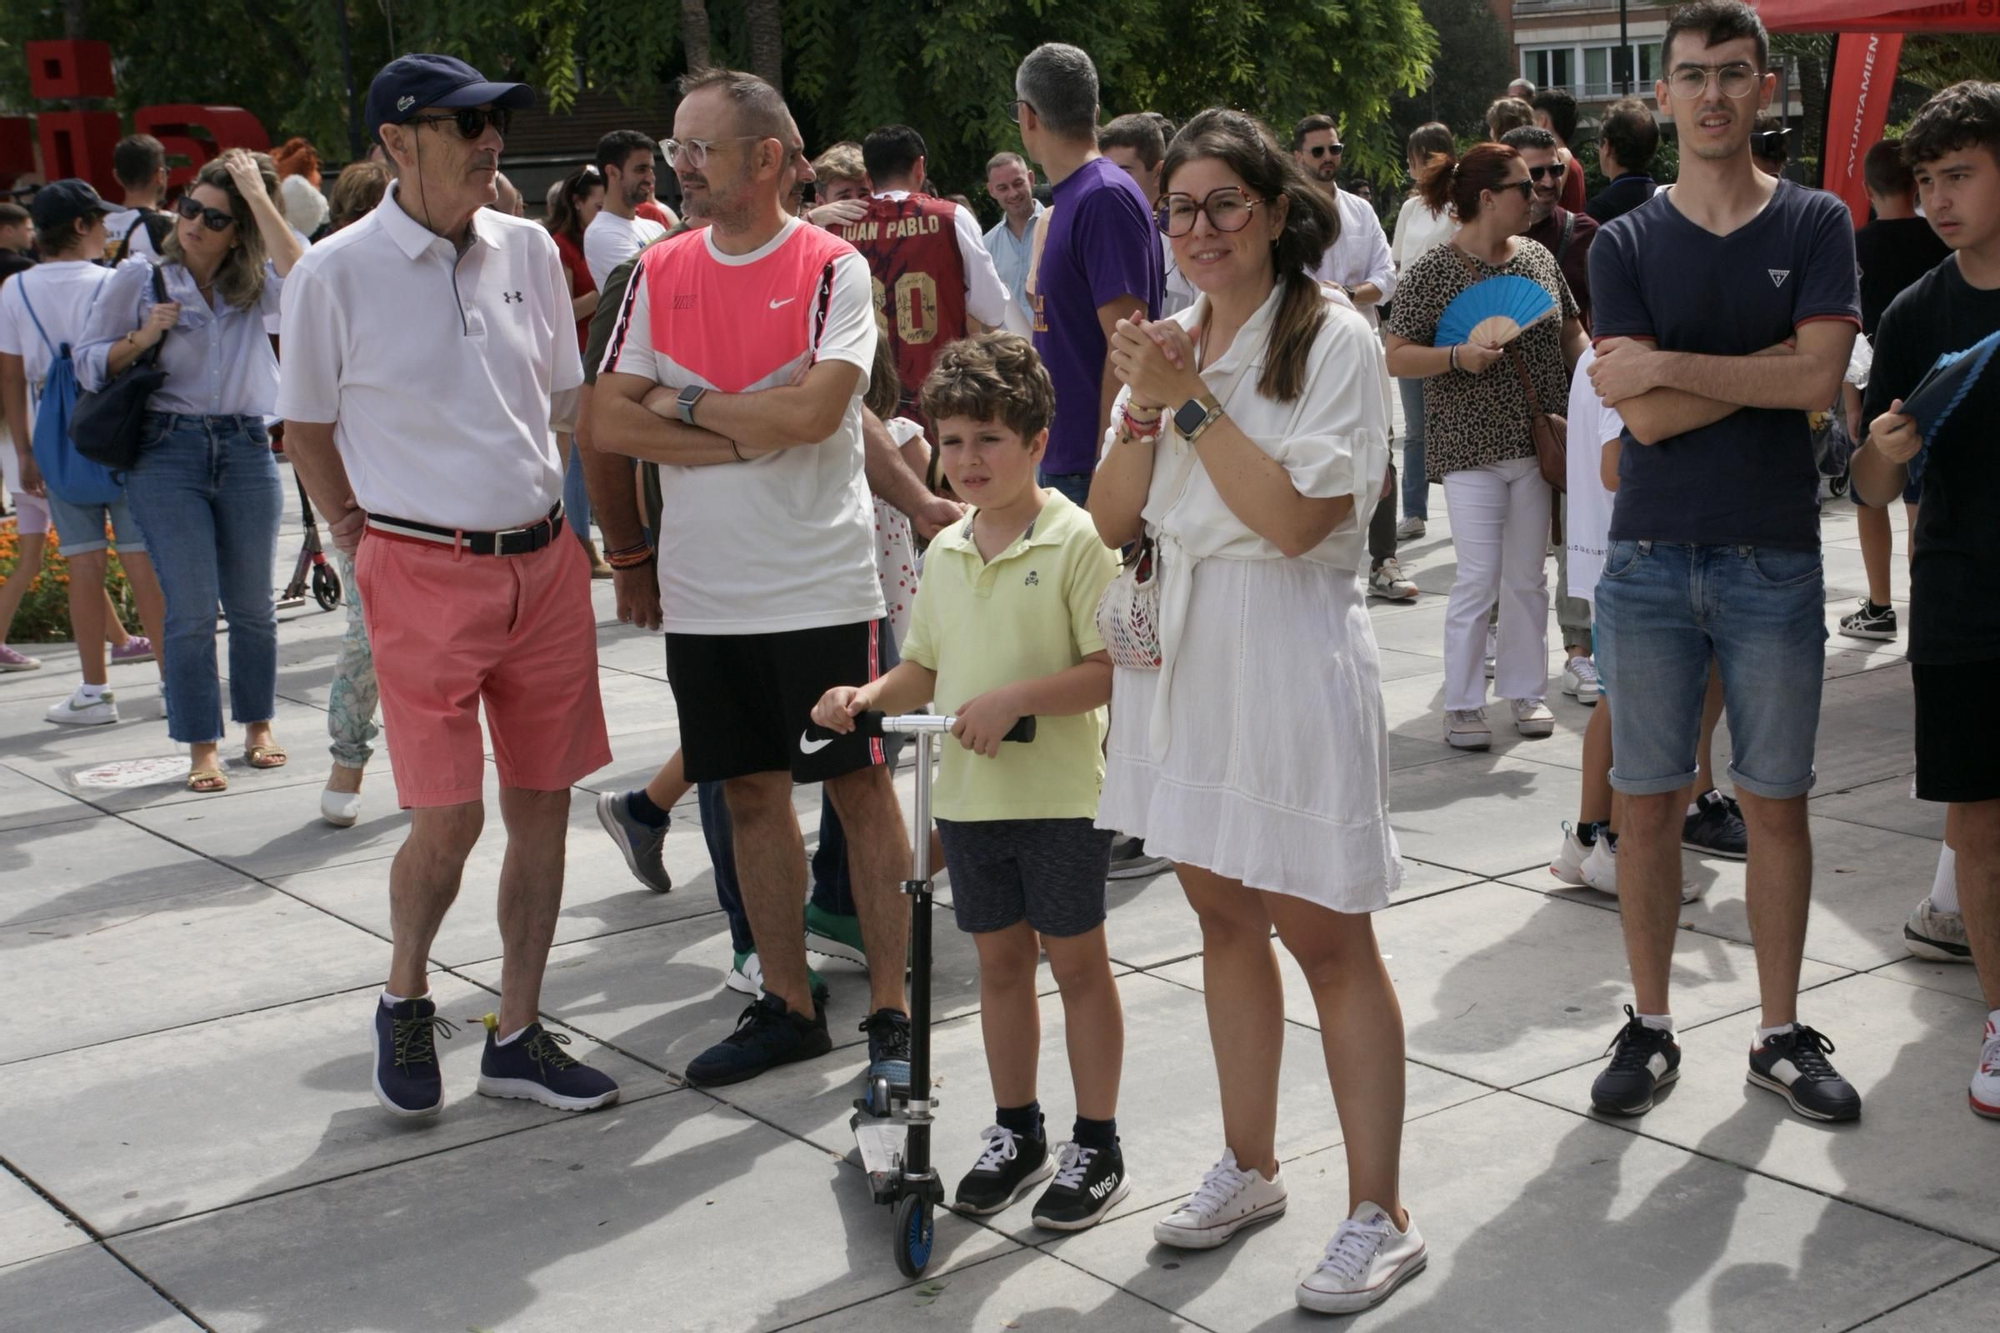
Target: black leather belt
x=511 y=541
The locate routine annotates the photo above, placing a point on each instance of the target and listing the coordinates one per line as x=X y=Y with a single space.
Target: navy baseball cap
x=408 y=84
x=59 y=203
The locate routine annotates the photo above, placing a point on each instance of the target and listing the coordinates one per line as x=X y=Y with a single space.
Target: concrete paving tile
x=1169 y=1109
x=1908 y=1050
x=1023 y=1291
x=1489 y=814
x=1886 y=803
x=85 y=1289
x=1401 y=663
x=1867 y=722
x=141 y=734
x=30 y=1226
x=1503 y=986
x=24 y=802
x=1951 y=978
x=1966 y=1303
x=645 y=1209
x=133 y=1141
x=94 y=865
x=1651 y=1238
x=97 y=976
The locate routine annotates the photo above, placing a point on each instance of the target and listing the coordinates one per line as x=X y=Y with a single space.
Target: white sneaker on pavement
x=1388 y=583
x=1409 y=529
x=1366 y=1260
x=1580 y=680
x=1532 y=717
x=1466 y=729
x=746 y=975
x=1935 y=936
x=342 y=809
x=1984 y=1094
x=1569 y=862
x=78 y=711
x=1228 y=1200
x=1600 y=868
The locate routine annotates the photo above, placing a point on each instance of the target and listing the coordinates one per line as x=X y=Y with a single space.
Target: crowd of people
x=833 y=435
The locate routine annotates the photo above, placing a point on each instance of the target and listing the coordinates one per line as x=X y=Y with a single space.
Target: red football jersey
x=911 y=245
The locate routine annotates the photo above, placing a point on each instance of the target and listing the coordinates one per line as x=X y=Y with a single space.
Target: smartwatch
x=685 y=401
x=1196 y=415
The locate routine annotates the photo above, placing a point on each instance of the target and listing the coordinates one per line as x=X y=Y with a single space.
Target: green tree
x=1473 y=65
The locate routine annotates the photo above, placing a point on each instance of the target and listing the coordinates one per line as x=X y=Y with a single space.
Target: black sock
x=1611 y=838
x=1024 y=1121
x=1099 y=1134
x=1587 y=834
x=643 y=809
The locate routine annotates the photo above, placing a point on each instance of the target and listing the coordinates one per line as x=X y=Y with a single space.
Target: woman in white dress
x=1250 y=443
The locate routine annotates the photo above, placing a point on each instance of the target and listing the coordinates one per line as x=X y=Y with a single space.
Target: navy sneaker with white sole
x=535 y=1067
x=767 y=1035
x=407 y=1080
x=1794 y=1065
x=639 y=842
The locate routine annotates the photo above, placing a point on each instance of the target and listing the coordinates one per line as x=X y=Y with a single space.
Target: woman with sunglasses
x=205 y=488
x=1251 y=435
x=573 y=203
x=1479 y=438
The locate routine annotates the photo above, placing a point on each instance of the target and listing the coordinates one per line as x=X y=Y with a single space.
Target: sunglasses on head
x=471 y=120
x=1326 y=149
x=214 y=219
x=1553 y=169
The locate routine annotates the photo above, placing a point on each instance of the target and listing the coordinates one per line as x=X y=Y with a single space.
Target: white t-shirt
x=117 y=226
x=787 y=540
x=438 y=371
x=62 y=293
x=1418 y=231
x=1179 y=293
x=610 y=240
x=1587 y=528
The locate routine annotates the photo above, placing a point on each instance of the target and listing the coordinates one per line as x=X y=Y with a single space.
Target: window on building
x=1549 y=66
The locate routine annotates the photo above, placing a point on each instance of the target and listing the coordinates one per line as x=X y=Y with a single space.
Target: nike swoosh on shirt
x=807 y=745
x=787 y=301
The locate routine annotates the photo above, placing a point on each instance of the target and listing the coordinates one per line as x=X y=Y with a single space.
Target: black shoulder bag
x=106 y=424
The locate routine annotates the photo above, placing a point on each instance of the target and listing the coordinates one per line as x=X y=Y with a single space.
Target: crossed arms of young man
x=1664 y=394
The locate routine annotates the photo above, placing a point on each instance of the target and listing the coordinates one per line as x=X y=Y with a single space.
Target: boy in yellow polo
x=1004 y=627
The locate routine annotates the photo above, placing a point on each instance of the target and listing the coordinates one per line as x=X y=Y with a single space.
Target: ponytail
x=1458 y=182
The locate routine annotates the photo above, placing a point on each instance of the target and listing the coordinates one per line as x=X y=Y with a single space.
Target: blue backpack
x=70 y=476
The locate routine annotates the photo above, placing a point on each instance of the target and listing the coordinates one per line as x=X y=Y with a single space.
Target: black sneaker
x=1870 y=622
x=408 y=1081
x=535 y=1067
x=1794 y=1065
x=1088 y=1182
x=1010 y=1164
x=767 y=1035
x=888 y=1046
x=1716 y=827
x=1643 y=1060
x=638 y=842
x=1131 y=860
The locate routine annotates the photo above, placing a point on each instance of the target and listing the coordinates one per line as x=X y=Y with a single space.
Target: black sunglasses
x=212 y=218
x=1326 y=149
x=1527 y=188
x=1553 y=169
x=471 y=120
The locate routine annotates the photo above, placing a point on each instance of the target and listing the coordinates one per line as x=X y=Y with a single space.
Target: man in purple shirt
x=1099 y=256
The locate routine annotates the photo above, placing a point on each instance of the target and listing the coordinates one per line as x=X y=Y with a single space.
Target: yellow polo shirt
x=1031 y=611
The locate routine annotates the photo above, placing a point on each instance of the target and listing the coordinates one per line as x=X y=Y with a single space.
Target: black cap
x=60 y=203
x=408 y=84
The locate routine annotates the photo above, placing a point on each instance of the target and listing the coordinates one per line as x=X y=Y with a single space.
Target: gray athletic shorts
x=1049 y=872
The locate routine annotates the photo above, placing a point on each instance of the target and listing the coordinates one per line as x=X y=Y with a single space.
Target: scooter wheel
x=914 y=1234
x=326 y=587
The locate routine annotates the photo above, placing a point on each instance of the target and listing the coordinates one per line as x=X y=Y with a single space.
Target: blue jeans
x=576 y=497
x=1416 y=488
x=1075 y=485
x=1760 y=611
x=207 y=496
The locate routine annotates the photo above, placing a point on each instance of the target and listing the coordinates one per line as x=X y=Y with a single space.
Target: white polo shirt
x=437 y=369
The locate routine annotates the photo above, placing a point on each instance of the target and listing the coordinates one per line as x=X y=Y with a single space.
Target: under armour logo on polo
x=510 y=297
x=1778 y=276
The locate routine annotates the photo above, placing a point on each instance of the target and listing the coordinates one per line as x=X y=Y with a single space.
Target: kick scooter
x=892 y=1125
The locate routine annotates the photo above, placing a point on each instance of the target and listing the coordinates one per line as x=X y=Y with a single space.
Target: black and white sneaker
x=1131 y=860
x=1089 y=1181
x=1643 y=1060
x=1794 y=1065
x=1004 y=1171
x=1716 y=827
x=1870 y=622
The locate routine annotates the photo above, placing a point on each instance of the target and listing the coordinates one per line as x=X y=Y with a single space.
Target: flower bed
x=44 y=613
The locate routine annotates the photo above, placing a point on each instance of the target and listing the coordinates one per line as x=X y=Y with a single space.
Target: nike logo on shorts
x=807 y=745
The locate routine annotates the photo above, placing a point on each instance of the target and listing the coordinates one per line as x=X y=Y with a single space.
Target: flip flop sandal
x=265 y=756
x=207 y=780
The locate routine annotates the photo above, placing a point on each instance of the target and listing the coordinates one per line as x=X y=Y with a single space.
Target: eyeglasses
x=471 y=120
x=696 y=151
x=1228 y=209
x=212 y=218
x=1014 y=109
x=1326 y=149
x=1526 y=187
x=1689 y=82
x=1554 y=169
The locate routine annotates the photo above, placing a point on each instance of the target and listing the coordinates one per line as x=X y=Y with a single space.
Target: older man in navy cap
x=429 y=352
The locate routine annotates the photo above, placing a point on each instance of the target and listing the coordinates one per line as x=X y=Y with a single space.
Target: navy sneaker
x=408 y=1081
x=639 y=842
x=767 y=1035
x=888 y=1046
x=535 y=1067
x=1643 y=1060
x=1716 y=827
x=1794 y=1065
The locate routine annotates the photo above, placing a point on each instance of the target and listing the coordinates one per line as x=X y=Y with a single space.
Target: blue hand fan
x=1946 y=384
x=1493 y=311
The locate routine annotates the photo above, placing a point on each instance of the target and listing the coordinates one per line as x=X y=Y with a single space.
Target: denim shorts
x=80 y=528
x=1760 y=611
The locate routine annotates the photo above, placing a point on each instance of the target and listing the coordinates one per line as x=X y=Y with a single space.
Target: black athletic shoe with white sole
x=1794 y=1065
x=1716 y=828
x=1643 y=1060
x=1009 y=1165
x=1089 y=1181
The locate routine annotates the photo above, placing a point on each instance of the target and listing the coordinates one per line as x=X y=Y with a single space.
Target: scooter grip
x=865 y=724
x=1023 y=731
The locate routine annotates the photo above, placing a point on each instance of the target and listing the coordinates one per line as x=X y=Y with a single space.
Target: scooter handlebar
x=909 y=724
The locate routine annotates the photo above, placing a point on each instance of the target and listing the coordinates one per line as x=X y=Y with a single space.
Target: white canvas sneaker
x=1579 y=680
x=1532 y=717
x=1466 y=729
x=1366 y=1260
x=1228 y=1200
x=77 y=711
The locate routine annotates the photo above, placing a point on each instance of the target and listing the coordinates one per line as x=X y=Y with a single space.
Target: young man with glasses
x=1726 y=307
x=430 y=357
x=626 y=160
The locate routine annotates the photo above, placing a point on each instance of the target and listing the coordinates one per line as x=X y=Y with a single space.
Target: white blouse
x=1418 y=230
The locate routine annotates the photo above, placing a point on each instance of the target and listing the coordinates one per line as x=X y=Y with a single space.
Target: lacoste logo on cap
x=1778 y=276
x=405 y=102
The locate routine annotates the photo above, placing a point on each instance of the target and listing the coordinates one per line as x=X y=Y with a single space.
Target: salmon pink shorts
x=452 y=631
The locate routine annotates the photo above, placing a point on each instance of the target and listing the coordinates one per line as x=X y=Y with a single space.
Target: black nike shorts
x=745 y=700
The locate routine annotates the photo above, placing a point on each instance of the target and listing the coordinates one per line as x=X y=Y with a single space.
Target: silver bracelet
x=1452 y=352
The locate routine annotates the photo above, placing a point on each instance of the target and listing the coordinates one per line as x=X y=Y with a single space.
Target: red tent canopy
x=1879 y=16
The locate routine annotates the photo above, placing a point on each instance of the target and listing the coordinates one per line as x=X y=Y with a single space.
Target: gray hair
x=999 y=160
x=1060 y=83
x=760 y=108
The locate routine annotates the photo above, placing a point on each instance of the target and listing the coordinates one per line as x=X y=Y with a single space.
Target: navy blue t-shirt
x=1749 y=478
